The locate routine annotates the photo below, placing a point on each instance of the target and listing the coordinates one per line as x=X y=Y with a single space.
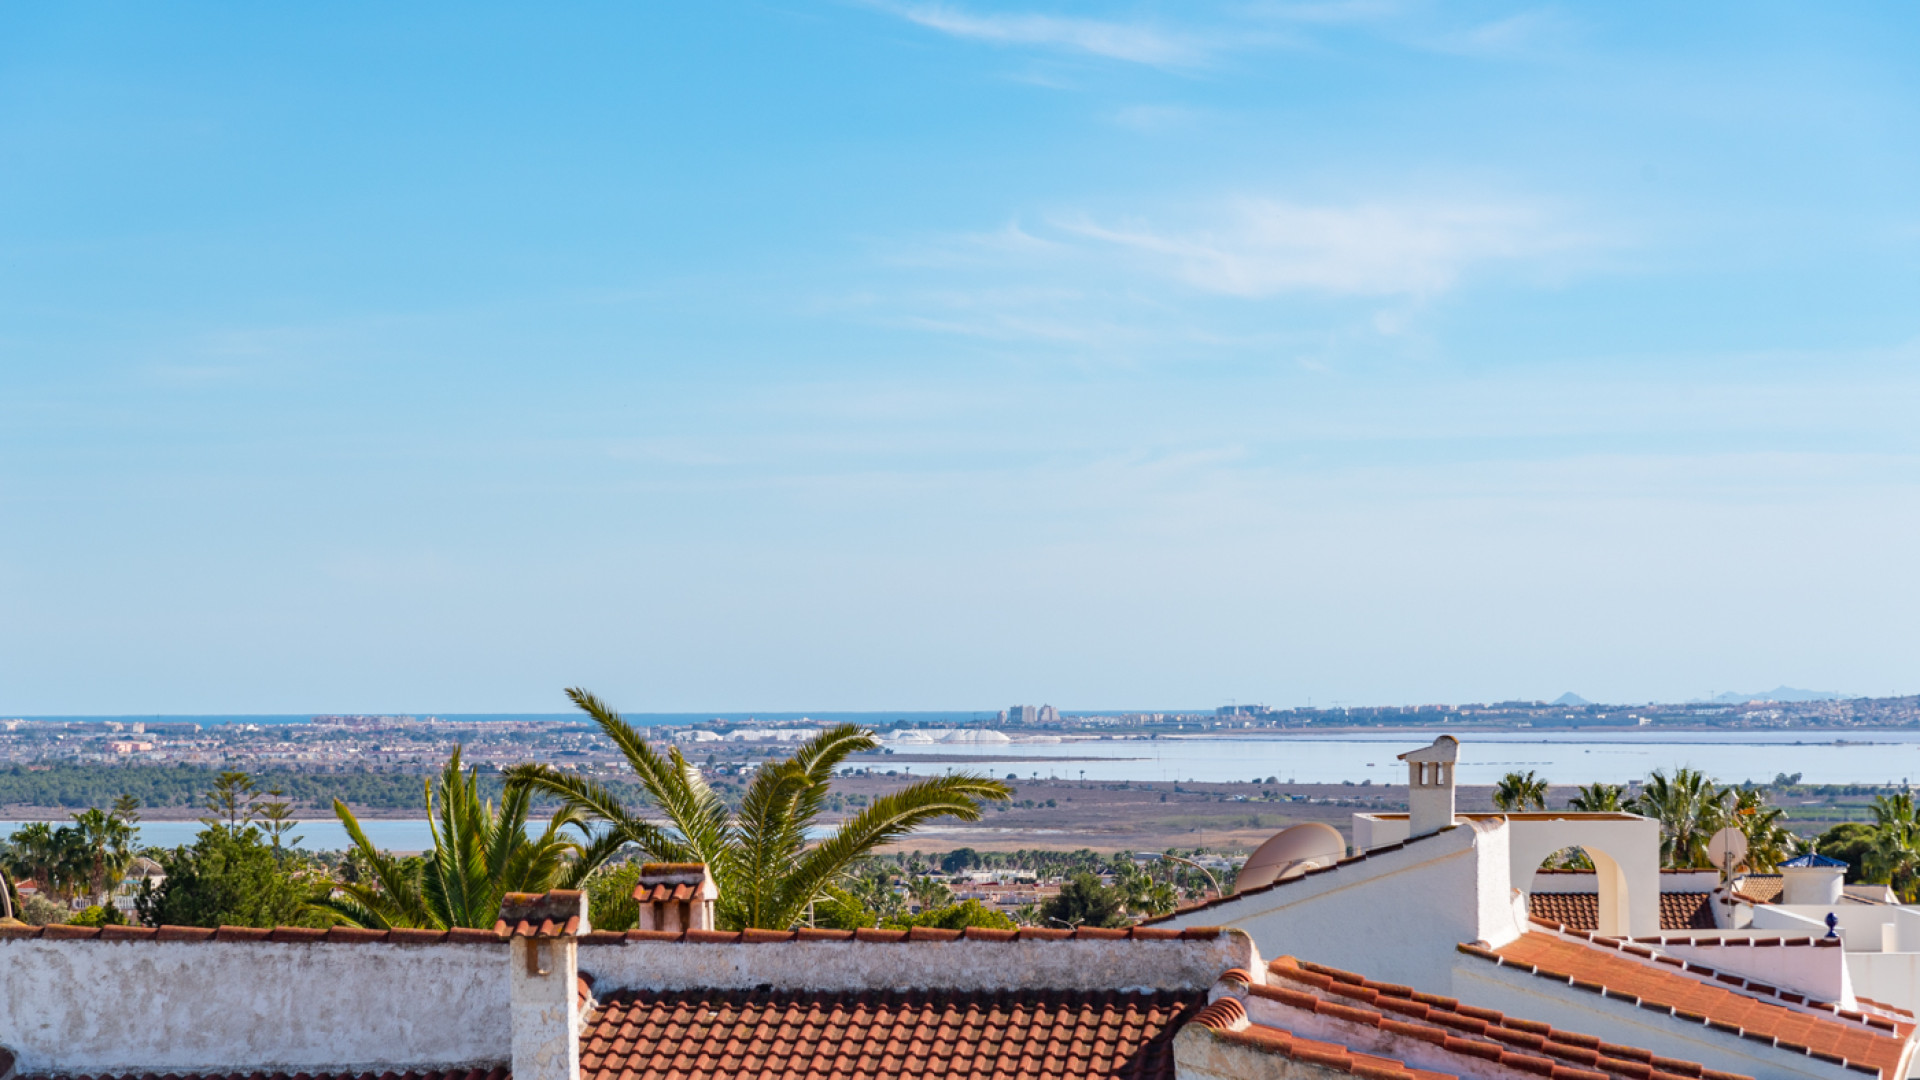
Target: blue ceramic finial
x=1832 y=921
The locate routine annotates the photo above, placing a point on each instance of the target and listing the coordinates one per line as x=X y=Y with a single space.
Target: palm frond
x=600 y=803
x=886 y=819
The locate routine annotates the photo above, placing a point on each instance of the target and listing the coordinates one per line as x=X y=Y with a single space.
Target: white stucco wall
x=1809 y=969
x=1888 y=978
x=1520 y=993
x=959 y=965
x=1671 y=881
x=91 y=1006
x=1625 y=849
x=544 y=977
x=1394 y=916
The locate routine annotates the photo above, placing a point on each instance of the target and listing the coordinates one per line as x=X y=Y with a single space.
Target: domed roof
x=1306 y=845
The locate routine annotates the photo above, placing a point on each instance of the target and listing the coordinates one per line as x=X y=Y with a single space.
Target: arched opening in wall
x=1581 y=888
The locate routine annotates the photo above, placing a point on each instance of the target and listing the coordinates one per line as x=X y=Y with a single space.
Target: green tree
x=98 y=915
x=101 y=849
x=232 y=803
x=767 y=871
x=276 y=820
x=228 y=877
x=929 y=893
x=1690 y=809
x=958 y=916
x=1596 y=798
x=1769 y=842
x=1847 y=841
x=1083 y=901
x=479 y=855
x=1893 y=855
x=127 y=809
x=1517 y=791
x=34 y=854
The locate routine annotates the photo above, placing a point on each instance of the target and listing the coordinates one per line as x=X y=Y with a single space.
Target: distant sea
x=638 y=719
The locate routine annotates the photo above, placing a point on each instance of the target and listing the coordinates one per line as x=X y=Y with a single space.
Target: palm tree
x=1768 y=841
x=478 y=857
x=1893 y=855
x=1690 y=810
x=760 y=856
x=101 y=849
x=1596 y=798
x=1516 y=792
x=36 y=855
x=929 y=893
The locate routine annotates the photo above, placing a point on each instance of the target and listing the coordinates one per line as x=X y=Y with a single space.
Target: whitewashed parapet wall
x=91 y=1006
x=829 y=963
x=361 y=1002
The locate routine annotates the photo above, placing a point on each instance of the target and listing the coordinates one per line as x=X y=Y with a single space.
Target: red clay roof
x=1761 y=888
x=1227 y=1019
x=1620 y=970
x=1581 y=910
x=1464 y=1032
x=541 y=915
x=665 y=894
x=881 y=1035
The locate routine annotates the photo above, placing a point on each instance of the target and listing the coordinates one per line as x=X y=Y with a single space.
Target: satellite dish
x=1290 y=853
x=1727 y=849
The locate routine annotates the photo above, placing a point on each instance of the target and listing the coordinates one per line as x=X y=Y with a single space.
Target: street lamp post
x=1211 y=880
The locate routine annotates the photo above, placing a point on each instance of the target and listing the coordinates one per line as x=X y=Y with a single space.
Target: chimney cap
x=559 y=913
x=1444 y=748
x=674 y=883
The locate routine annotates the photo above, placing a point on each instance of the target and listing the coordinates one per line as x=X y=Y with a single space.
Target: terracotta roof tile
x=1581 y=910
x=1762 y=888
x=557 y=913
x=1702 y=997
x=870 y=1035
x=1466 y=1032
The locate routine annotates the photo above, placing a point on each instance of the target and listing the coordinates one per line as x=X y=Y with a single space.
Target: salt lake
x=1821 y=757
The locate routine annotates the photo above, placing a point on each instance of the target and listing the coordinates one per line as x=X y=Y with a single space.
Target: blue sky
x=904 y=355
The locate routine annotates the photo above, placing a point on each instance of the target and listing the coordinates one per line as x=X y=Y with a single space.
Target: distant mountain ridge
x=1569 y=698
x=1778 y=693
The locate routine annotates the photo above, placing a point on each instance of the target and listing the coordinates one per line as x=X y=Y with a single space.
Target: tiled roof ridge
x=1226 y=1019
x=1679 y=911
x=551 y=914
x=1875 y=1028
x=1448 y=1023
x=1349 y=860
x=1714 y=977
x=876 y=1034
x=352 y=935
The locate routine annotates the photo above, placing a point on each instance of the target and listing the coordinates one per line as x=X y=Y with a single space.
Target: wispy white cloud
x=1532 y=31
x=1260 y=247
x=1134 y=42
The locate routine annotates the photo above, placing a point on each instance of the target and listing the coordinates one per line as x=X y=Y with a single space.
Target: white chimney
x=1812 y=879
x=544 y=969
x=675 y=897
x=1430 y=786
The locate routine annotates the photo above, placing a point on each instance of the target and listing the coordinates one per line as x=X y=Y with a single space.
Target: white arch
x=1625 y=849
